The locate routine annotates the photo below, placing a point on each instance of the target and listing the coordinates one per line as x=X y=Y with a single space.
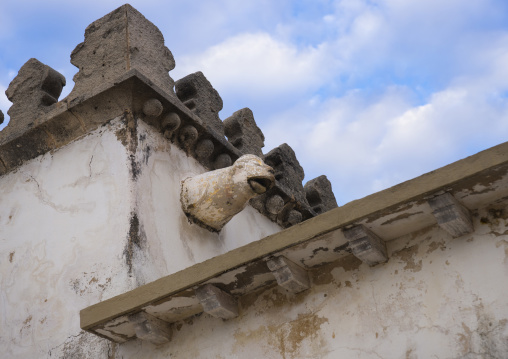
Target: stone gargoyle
x=211 y=199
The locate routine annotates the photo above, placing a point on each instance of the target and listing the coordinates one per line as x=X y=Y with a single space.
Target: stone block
x=286 y=202
x=289 y=275
x=198 y=95
x=243 y=132
x=451 y=215
x=121 y=41
x=36 y=87
x=319 y=194
x=151 y=329
x=288 y=172
x=366 y=245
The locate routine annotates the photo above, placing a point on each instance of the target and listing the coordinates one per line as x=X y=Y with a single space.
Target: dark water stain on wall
x=408 y=255
x=135 y=241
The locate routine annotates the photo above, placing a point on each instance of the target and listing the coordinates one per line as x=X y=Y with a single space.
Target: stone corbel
x=366 y=245
x=289 y=275
x=451 y=215
x=151 y=329
x=216 y=302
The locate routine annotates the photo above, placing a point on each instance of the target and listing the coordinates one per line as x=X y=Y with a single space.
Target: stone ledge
x=389 y=214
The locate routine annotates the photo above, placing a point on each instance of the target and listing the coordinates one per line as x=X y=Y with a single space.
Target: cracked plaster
x=449 y=308
x=66 y=229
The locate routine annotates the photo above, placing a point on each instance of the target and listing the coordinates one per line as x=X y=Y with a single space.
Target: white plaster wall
x=169 y=242
x=63 y=220
x=67 y=241
x=436 y=297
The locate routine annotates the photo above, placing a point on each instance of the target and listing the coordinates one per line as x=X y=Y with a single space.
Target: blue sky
x=369 y=92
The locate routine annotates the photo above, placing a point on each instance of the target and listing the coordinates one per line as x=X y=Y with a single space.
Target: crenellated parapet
x=123 y=68
x=119 y=42
x=287 y=203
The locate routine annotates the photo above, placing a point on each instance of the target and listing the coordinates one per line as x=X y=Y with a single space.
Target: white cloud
x=257 y=64
x=365 y=145
x=366 y=140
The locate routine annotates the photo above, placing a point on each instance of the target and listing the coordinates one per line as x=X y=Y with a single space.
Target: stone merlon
x=119 y=42
x=36 y=87
x=244 y=133
x=198 y=94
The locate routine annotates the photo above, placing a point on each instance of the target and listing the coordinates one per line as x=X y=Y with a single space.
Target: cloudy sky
x=369 y=92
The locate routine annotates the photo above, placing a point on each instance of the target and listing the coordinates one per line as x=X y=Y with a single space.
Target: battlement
x=124 y=68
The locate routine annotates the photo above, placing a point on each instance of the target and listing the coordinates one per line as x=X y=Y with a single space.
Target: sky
x=370 y=93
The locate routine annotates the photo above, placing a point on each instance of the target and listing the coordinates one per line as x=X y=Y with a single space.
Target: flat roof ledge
x=444 y=197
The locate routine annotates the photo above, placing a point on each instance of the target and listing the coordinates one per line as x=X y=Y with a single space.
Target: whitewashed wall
x=66 y=236
x=173 y=242
x=65 y=220
x=437 y=297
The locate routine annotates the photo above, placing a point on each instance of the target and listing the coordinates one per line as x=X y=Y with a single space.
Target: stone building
x=100 y=259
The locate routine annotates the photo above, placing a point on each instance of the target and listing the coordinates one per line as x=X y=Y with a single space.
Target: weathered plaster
x=169 y=242
x=437 y=297
x=90 y=209
x=319 y=240
x=243 y=272
x=92 y=220
x=63 y=220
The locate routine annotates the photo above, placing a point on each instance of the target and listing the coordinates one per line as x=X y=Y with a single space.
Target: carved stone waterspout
x=213 y=198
